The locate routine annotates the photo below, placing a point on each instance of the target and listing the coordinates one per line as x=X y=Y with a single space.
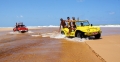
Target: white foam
x=35 y=35
x=57 y=36
x=60 y=36
x=116 y=25
x=46 y=35
x=109 y=25
x=30 y=32
x=14 y=32
x=53 y=35
x=49 y=26
x=76 y=39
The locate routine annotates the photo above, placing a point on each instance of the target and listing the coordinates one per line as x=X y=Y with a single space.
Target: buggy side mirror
x=91 y=24
x=81 y=24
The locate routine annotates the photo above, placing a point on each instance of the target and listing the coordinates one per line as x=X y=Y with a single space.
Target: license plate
x=95 y=33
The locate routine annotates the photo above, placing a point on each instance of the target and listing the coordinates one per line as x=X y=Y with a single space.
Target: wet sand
x=11 y=29
x=25 y=48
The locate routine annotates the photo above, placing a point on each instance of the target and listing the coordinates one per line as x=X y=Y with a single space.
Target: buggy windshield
x=85 y=23
x=20 y=23
x=21 y=26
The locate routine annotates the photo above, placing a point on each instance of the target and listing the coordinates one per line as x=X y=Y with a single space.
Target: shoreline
x=11 y=28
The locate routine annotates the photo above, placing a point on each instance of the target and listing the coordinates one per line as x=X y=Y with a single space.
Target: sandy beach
x=59 y=31
x=26 y=48
x=108 y=47
x=6 y=29
x=11 y=28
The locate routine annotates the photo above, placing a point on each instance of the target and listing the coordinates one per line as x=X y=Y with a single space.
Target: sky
x=49 y=12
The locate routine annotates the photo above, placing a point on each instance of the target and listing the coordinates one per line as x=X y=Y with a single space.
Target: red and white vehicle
x=20 y=27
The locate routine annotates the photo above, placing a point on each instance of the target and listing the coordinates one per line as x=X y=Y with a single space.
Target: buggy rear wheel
x=62 y=32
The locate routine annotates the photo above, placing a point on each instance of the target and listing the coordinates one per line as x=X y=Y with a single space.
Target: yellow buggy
x=83 y=29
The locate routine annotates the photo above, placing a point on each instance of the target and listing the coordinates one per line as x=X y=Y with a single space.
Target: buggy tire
x=62 y=32
x=97 y=36
x=79 y=35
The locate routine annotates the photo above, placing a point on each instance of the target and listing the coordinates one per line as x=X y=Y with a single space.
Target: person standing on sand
x=16 y=26
x=62 y=23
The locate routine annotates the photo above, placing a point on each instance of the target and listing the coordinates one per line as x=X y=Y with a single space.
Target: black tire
x=27 y=31
x=79 y=35
x=22 y=31
x=62 y=32
x=97 y=36
x=19 y=31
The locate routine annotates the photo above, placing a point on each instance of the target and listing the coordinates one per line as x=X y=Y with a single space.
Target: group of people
x=70 y=24
x=17 y=24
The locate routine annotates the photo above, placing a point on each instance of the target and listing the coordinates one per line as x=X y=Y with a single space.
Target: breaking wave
x=117 y=25
x=109 y=25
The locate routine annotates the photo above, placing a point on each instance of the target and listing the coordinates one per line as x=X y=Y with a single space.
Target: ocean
x=104 y=25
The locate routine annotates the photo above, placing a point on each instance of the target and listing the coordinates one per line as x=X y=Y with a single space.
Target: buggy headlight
x=88 y=30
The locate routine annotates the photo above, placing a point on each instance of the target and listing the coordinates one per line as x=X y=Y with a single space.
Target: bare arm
x=66 y=20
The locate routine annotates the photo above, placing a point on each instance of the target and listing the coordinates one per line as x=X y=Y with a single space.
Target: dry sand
x=108 y=47
x=78 y=52
x=6 y=29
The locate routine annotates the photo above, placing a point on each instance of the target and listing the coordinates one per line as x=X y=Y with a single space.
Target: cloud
x=80 y=0
x=111 y=13
x=20 y=16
